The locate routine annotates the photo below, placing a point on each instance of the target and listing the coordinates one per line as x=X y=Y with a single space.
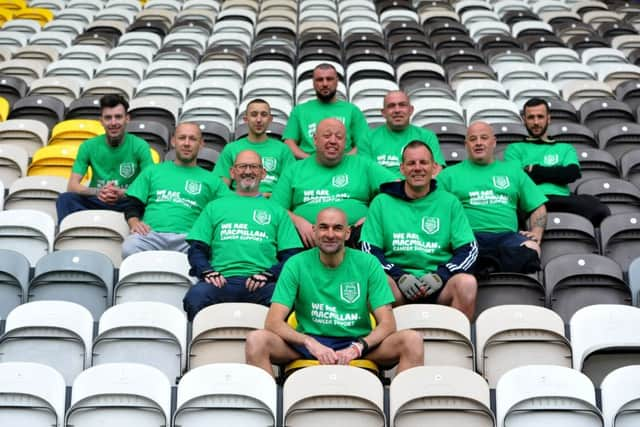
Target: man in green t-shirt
x=385 y=143
x=239 y=243
x=333 y=289
x=304 y=118
x=329 y=178
x=275 y=155
x=422 y=238
x=552 y=165
x=116 y=158
x=166 y=199
x=492 y=192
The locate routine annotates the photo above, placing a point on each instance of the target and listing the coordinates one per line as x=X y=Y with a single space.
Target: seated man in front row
x=166 y=199
x=239 y=243
x=333 y=289
x=422 y=237
x=492 y=192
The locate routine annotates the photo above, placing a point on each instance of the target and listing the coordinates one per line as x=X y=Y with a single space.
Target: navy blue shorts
x=335 y=343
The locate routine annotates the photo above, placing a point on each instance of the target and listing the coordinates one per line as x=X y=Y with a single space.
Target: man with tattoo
x=492 y=192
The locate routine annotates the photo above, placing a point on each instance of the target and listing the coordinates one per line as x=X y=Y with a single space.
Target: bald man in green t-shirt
x=333 y=289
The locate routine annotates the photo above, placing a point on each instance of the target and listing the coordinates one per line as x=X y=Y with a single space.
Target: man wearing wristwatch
x=239 y=243
x=333 y=289
x=422 y=237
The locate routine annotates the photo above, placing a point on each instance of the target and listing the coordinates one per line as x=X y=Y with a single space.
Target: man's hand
x=411 y=287
x=532 y=243
x=214 y=278
x=324 y=354
x=110 y=193
x=138 y=227
x=255 y=282
x=348 y=354
x=305 y=229
x=432 y=283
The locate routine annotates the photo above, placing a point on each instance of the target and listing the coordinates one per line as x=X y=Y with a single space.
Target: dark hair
x=325 y=66
x=534 y=102
x=112 y=100
x=417 y=143
x=257 y=101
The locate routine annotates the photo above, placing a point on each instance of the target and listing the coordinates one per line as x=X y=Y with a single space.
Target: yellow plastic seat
x=13 y=4
x=36 y=13
x=304 y=363
x=75 y=132
x=5 y=15
x=4 y=109
x=155 y=156
x=55 y=160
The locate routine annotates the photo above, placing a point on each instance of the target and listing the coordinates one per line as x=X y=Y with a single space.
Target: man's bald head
x=480 y=143
x=247 y=172
x=329 y=140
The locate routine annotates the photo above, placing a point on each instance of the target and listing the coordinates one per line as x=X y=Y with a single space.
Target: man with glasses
x=239 y=243
x=275 y=155
x=166 y=199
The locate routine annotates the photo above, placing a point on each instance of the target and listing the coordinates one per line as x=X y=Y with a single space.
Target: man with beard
x=333 y=289
x=329 y=178
x=304 y=118
x=275 y=155
x=422 y=238
x=166 y=199
x=552 y=165
x=116 y=158
x=239 y=243
x=492 y=192
x=385 y=143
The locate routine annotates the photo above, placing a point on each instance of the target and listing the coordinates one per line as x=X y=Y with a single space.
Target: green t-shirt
x=304 y=118
x=491 y=194
x=119 y=165
x=306 y=187
x=245 y=234
x=175 y=195
x=275 y=157
x=384 y=146
x=333 y=302
x=549 y=154
x=417 y=235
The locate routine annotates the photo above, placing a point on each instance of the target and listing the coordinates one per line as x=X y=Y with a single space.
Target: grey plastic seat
x=79 y=276
x=619 y=195
x=31 y=394
x=620 y=235
x=567 y=233
x=161 y=276
x=619 y=138
x=509 y=288
x=55 y=333
x=28 y=232
x=205 y=393
x=14 y=280
x=630 y=166
x=125 y=394
x=634 y=281
x=151 y=333
x=576 y=281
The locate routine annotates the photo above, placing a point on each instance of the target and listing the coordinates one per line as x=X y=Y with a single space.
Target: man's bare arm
x=297 y=152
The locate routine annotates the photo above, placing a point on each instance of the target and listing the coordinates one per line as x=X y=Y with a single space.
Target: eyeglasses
x=252 y=166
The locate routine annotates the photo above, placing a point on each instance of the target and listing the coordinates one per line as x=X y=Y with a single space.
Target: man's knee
x=465 y=287
x=131 y=245
x=257 y=344
x=410 y=343
x=198 y=297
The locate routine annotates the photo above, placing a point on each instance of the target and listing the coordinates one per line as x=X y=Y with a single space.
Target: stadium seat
x=72 y=67
x=577 y=92
x=332 y=394
x=547 y=395
x=27 y=70
x=576 y=281
x=619 y=195
x=62 y=88
x=446 y=333
x=125 y=394
x=151 y=333
x=84 y=108
x=509 y=336
x=32 y=394
x=157 y=134
x=28 y=232
x=161 y=276
x=226 y=394
x=207 y=157
x=54 y=333
x=599 y=114
x=108 y=85
x=12 y=88
x=634 y=281
x=220 y=330
x=55 y=160
x=509 y=288
x=78 y=276
x=630 y=166
x=575 y=134
x=594 y=163
x=36 y=192
x=618 y=138
x=44 y=108
x=620 y=397
x=430 y=110
x=14 y=280
x=13 y=163
x=96 y=230
x=440 y=396
x=75 y=132
x=621 y=239
x=604 y=338
x=567 y=233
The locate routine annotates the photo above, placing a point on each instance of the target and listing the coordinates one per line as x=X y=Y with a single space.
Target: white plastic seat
x=621 y=396
x=268 y=87
x=37 y=193
x=549 y=55
x=133 y=71
x=152 y=333
x=215 y=108
x=31 y=394
x=371 y=88
x=216 y=86
x=125 y=394
x=28 y=134
x=54 y=333
x=94 y=54
x=182 y=70
x=141 y=38
x=13 y=163
x=130 y=52
x=577 y=92
x=108 y=85
x=29 y=232
x=226 y=394
x=470 y=90
x=163 y=86
x=161 y=276
x=63 y=88
x=603 y=338
x=546 y=395
x=498 y=111
x=77 y=69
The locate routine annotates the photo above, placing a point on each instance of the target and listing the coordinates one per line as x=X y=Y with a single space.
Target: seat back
x=14 y=280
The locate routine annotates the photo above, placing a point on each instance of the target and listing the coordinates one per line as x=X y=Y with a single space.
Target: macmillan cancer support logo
x=269 y=163
x=340 y=180
x=350 y=292
x=127 y=169
x=193 y=187
x=430 y=225
x=261 y=217
x=551 y=159
x=501 y=182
